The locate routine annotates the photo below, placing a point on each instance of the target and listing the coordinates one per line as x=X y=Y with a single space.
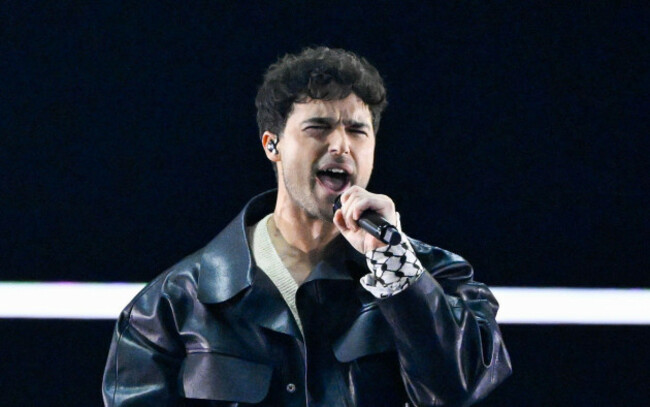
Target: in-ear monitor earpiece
x=271 y=146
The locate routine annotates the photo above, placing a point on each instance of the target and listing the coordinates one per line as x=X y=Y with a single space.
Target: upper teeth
x=336 y=170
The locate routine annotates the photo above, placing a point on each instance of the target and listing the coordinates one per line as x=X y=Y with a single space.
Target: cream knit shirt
x=268 y=260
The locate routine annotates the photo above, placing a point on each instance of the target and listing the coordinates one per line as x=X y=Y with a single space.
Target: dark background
x=516 y=135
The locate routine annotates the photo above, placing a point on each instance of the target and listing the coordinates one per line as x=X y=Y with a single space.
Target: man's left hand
x=355 y=201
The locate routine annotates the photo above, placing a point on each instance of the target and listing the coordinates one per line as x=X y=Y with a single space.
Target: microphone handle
x=379 y=227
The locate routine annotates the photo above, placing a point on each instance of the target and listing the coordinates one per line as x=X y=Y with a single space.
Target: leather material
x=368 y=335
x=214 y=376
x=214 y=331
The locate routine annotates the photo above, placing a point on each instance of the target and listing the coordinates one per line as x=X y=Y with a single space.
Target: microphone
x=375 y=224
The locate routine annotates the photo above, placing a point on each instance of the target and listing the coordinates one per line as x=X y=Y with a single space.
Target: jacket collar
x=226 y=262
x=227 y=266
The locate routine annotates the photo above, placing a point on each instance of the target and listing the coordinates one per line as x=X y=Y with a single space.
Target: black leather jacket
x=213 y=330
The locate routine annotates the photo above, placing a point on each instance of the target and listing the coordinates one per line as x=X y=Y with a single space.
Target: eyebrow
x=330 y=121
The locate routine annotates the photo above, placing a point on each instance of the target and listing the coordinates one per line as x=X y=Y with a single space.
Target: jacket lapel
x=227 y=269
x=263 y=305
x=226 y=262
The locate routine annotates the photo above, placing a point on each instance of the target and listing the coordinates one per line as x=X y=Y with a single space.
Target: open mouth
x=334 y=179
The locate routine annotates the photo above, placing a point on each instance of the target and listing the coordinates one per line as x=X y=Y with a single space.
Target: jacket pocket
x=369 y=334
x=215 y=376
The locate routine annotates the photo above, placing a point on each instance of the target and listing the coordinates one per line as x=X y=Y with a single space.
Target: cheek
x=298 y=162
x=367 y=157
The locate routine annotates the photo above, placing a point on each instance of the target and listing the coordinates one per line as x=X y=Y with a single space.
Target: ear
x=269 y=139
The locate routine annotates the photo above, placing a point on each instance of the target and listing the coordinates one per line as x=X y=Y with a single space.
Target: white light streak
x=606 y=306
x=65 y=300
x=601 y=306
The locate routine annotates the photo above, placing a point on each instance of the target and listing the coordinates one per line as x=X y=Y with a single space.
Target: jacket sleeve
x=144 y=358
x=450 y=349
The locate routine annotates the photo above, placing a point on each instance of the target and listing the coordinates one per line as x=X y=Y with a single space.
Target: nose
x=339 y=143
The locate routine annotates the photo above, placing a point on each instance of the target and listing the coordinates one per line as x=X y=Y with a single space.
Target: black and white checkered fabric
x=392 y=269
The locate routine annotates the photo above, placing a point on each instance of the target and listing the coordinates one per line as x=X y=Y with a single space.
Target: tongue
x=333 y=182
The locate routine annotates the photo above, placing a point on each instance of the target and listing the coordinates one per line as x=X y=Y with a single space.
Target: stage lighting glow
x=65 y=300
x=602 y=306
x=607 y=306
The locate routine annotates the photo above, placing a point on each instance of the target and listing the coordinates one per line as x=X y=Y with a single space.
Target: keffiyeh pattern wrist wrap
x=392 y=269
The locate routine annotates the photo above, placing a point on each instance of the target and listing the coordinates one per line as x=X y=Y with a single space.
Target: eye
x=358 y=131
x=316 y=128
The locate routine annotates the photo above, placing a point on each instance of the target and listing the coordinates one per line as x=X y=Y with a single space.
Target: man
x=293 y=306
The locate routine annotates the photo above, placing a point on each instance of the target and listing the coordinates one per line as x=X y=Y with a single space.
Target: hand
x=354 y=201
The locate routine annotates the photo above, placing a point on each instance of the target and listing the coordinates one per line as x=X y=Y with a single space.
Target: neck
x=303 y=233
x=298 y=254
x=300 y=230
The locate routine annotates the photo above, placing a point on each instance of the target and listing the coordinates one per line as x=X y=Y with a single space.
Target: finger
x=361 y=205
x=381 y=204
x=350 y=192
x=349 y=211
x=345 y=207
x=339 y=221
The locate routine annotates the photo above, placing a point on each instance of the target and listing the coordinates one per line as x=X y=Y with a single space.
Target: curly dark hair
x=317 y=73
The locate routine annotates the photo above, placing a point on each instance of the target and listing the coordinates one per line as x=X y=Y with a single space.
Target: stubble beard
x=307 y=201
